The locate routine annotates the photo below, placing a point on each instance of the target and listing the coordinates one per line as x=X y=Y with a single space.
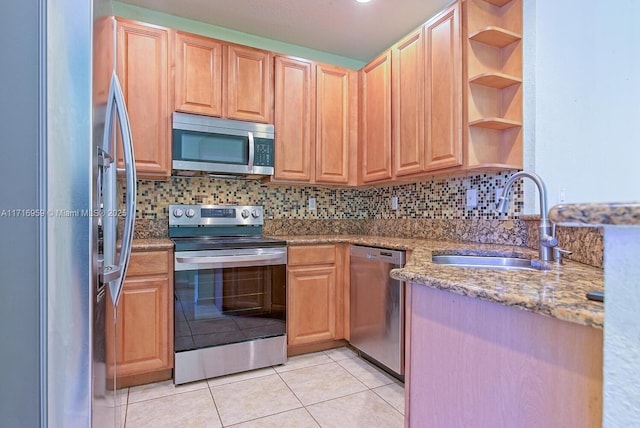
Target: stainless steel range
x=230 y=291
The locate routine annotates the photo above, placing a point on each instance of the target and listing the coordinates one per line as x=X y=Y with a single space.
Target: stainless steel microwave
x=221 y=147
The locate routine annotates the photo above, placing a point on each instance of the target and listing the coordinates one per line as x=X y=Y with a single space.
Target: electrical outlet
x=312 y=204
x=472 y=198
x=499 y=191
x=394 y=202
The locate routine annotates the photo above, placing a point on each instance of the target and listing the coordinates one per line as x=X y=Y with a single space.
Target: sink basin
x=488 y=262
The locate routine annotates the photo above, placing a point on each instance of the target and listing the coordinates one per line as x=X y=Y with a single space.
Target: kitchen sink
x=489 y=262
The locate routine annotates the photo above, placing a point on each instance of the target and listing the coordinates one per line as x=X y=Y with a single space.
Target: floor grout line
x=127 y=402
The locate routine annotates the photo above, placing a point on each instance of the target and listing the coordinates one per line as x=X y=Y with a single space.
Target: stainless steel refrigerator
x=65 y=127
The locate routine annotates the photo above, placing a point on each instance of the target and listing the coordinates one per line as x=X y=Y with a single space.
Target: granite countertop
x=558 y=292
x=146 y=244
x=597 y=214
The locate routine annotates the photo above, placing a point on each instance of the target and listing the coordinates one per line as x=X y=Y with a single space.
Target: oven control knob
x=178 y=212
x=190 y=212
x=245 y=213
x=255 y=213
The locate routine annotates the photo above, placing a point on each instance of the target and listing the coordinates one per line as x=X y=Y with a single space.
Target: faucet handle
x=549 y=241
x=558 y=253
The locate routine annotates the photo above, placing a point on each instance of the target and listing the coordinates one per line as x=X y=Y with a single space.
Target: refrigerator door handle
x=116 y=100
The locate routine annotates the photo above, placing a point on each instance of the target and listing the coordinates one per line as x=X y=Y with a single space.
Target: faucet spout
x=546 y=232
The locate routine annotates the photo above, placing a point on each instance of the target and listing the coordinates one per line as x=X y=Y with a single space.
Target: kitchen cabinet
x=144 y=327
x=143 y=70
x=249 y=84
x=476 y=363
x=375 y=119
x=315 y=295
x=408 y=104
x=315 y=121
x=294 y=120
x=416 y=128
x=217 y=78
x=493 y=86
x=443 y=92
x=198 y=77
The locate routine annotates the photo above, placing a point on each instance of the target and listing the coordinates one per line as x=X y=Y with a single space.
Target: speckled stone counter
x=151 y=244
x=597 y=214
x=558 y=291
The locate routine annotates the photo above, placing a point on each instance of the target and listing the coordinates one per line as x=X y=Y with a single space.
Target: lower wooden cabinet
x=143 y=348
x=315 y=289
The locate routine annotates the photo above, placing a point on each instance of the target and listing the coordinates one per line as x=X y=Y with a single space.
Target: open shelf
x=495 y=80
x=495 y=123
x=495 y=36
x=498 y=2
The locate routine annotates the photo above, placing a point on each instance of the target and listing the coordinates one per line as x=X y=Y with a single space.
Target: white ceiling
x=341 y=27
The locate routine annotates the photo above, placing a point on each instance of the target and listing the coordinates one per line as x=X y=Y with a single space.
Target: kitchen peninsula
x=475 y=357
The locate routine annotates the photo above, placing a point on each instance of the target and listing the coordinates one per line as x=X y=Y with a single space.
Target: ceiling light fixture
x=363 y=1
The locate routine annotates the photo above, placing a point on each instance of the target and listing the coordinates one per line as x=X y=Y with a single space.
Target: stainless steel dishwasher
x=377 y=307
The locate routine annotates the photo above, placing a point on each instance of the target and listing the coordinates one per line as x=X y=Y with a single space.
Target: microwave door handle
x=130 y=178
x=252 y=151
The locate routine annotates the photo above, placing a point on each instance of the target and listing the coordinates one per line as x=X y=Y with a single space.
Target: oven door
x=229 y=296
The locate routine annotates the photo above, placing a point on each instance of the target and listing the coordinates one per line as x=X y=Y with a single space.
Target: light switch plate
x=312 y=204
x=394 y=202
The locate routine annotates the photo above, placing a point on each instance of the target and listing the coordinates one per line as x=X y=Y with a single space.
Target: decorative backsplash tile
x=442 y=198
x=434 y=209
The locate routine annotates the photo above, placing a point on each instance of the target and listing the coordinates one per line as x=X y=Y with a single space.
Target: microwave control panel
x=263 y=152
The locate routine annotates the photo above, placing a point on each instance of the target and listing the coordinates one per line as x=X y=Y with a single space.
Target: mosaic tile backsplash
x=434 y=209
x=442 y=198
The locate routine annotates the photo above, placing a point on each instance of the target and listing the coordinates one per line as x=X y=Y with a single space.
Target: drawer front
x=150 y=263
x=311 y=255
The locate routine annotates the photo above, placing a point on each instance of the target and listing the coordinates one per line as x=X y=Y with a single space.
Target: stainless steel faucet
x=546 y=231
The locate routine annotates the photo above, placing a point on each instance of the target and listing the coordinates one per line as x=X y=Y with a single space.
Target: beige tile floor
x=333 y=388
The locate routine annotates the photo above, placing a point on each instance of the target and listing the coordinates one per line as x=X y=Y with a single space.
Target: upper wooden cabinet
x=315 y=121
x=375 y=119
x=493 y=84
x=249 y=84
x=336 y=121
x=408 y=104
x=198 y=78
x=294 y=119
x=216 y=78
x=443 y=91
x=416 y=128
x=143 y=71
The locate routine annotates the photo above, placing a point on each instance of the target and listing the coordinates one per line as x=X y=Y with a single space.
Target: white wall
x=582 y=99
x=582 y=117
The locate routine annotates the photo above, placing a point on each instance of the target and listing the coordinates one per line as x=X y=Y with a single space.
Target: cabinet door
x=375 y=116
x=144 y=323
x=198 y=79
x=443 y=89
x=408 y=104
x=249 y=91
x=294 y=111
x=143 y=70
x=311 y=306
x=333 y=124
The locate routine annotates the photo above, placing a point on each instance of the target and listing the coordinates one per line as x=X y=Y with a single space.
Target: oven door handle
x=228 y=258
